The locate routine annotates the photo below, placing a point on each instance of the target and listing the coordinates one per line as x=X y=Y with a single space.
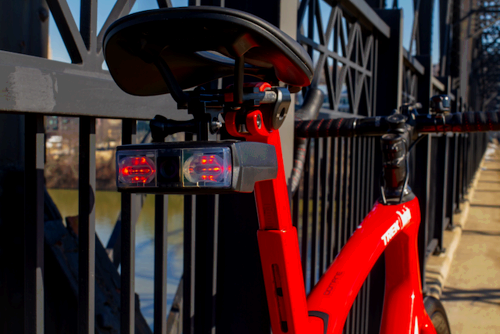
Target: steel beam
x=413 y=63
x=390 y=64
x=33 y=84
x=367 y=16
x=445 y=14
x=424 y=41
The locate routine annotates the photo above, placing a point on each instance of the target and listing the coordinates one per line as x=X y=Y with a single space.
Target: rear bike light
x=209 y=167
x=136 y=168
x=194 y=167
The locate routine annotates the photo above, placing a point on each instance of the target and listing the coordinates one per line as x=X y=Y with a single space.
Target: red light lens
x=204 y=168
x=133 y=170
x=208 y=168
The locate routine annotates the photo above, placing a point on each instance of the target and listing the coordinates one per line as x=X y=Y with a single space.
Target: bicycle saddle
x=186 y=39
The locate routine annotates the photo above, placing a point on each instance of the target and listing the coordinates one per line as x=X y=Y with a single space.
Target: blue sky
x=104 y=7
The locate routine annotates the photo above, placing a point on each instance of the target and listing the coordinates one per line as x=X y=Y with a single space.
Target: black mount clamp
x=207 y=105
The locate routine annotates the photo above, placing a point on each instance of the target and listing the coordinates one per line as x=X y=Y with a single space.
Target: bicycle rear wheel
x=436 y=312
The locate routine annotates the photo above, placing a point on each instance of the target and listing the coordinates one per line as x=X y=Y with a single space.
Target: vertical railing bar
x=353 y=184
x=368 y=180
x=347 y=208
x=466 y=162
x=470 y=161
x=206 y=261
x=348 y=321
x=314 y=238
x=305 y=214
x=310 y=24
x=364 y=179
x=359 y=303
x=459 y=170
x=295 y=208
x=464 y=178
x=360 y=209
x=331 y=199
x=463 y=168
x=339 y=194
x=160 y=265
x=88 y=24
x=373 y=178
x=354 y=181
x=189 y=260
x=365 y=203
x=364 y=207
x=300 y=222
x=324 y=205
x=206 y=234
x=215 y=239
x=189 y=263
x=174 y=318
x=367 y=303
x=359 y=180
x=127 y=317
x=473 y=150
x=362 y=314
x=34 y=223
x=86 y=226
x=369 y=173
x=454 y=187
x=370 y=156
x=476 y=150
x=347 y=186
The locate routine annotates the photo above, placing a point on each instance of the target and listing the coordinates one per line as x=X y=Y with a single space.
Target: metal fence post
x=238 y=254
x=423 y=166
x=34 y=224
x=389 y=53
x=24 y=30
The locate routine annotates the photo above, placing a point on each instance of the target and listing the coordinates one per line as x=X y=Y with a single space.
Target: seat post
x=238 y=80
x=175 y=90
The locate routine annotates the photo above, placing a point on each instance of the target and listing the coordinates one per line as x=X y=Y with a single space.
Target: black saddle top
x=199 y=45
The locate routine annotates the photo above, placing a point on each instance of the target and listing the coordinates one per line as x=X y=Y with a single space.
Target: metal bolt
x=215 y=126
x=43 y=14
x=259 y=122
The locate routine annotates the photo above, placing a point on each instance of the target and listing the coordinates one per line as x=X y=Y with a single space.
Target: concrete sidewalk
x=469 y=270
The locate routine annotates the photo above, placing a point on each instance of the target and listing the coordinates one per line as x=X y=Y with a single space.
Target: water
x=107 y=210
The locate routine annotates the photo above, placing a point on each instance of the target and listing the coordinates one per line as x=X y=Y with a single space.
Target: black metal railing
x=335 y=194
x=338 y=188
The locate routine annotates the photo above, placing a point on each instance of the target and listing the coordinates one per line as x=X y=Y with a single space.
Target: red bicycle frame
x=393 y=228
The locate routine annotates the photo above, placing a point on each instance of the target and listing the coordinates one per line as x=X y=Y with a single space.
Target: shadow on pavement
x=487 y=296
